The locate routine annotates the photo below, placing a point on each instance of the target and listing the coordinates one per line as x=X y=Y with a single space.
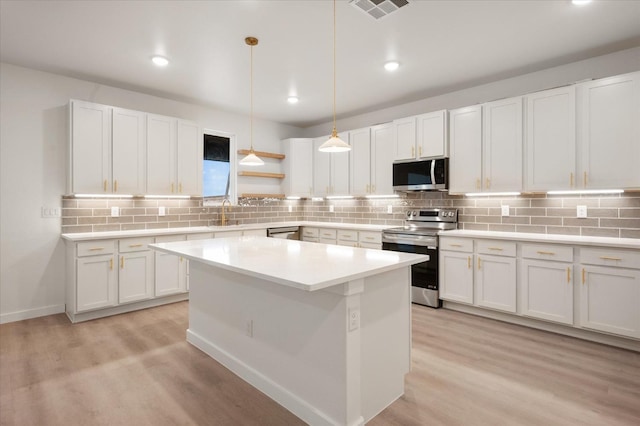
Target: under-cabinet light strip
x=489 y=194
x=102 y=196
x=339 y=197
x=167 y=196
x=382 y=196
x=587 y=191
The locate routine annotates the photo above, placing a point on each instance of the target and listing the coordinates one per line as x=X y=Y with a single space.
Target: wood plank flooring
x=137 y=369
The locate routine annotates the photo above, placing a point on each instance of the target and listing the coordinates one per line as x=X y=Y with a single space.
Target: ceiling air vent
x=378 y=8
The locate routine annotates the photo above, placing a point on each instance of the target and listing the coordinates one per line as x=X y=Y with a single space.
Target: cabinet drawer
x=344 y=235
x=370 y=237
x=227 y=234
x=608 y=257
x=547 y=252
x=496 y=248
x=456 y=244
x=170 y=238
x=200 y=236
x=328 y=234
x=310 y=232
x=94 y=248
x=134 y=244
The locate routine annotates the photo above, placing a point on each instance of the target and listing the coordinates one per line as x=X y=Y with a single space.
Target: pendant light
x=334 y=144
x=251 y=159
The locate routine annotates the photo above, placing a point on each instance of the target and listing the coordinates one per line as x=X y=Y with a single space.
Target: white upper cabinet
x=465 y=144
x=161 y=154
x=330 y=170
x=361 y=161
x=128 y=152
x=502 y=145
x=298 y=167
x=90 y=162
x=609 y=132
x=551 y=140
x=421 y=136
x=382 y=159
x=189 y=159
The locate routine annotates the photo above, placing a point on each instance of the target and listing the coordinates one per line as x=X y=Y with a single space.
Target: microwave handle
x=433 y=172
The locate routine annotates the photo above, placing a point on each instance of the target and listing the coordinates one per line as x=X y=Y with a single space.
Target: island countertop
x=299 y=264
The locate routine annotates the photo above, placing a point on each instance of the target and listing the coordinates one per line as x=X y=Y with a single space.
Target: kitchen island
x=323 y=330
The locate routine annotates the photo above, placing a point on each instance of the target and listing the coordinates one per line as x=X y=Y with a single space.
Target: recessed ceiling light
x=580 y=2
x=160 y=61
x=293 y=99
x=391 y=66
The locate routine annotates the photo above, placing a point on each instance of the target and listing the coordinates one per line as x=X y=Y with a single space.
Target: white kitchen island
x=323 y=330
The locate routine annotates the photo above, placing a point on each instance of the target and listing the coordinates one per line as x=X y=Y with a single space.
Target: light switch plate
x=581 y=212
x=331 y=208
x=354 y=319
x=390 y=209
x=290 y=209
x=115 y=211
x=505 y=210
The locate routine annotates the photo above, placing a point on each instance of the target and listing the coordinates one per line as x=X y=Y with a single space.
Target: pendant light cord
x=334 y=133
x=251 y=90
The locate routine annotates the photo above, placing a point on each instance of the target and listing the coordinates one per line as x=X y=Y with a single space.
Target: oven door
x=424 y=275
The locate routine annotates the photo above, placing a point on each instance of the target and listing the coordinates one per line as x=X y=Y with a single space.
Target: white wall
x=33 y=144
x=601 y=66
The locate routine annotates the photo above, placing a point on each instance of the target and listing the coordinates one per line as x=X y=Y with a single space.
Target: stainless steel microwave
x=421 y=175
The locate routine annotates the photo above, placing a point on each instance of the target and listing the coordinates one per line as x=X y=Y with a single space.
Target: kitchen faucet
x=223 y=220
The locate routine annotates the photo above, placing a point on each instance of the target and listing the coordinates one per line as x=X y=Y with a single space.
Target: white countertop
x=86 y=236
x=632 y=243
x=299 y=264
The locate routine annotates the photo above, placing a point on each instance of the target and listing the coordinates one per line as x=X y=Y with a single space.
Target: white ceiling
x=442 y=46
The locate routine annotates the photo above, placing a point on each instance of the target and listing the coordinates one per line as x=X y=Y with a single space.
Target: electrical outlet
x=115 y=211
x=49 y=212
x=581 y=212
x=354 y=319
x=389 y=209
x=331 y=209
x=505 y=210
x=249 y=328
x=290 y=209
x=161 y=211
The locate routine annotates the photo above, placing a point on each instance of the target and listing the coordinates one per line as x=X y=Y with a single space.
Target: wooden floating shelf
x=261 y=174
x=262 y=195
x=262 y=154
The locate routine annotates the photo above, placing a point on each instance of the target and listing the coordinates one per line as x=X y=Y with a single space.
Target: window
x=218 y=170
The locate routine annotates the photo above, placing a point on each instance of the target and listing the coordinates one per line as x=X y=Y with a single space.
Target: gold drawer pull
x=488 y=183
x=478 y=184
x=180 y=186
x=104 y=185
x=420 y=151
x=122 y=262
x=478 y=263
x=135 y=245
x=181 y=259
x=568 y=274
x=610 y=258
x=468 y=262
x=111 y=264
x=369 y=238
x=413 y=151
x=172 y=187
x=545 y=252
x=455 y=245
x=96 y=248
x=115 y=185
x=571 y=180
x=495 y=248
x=585 y=179
x=347 y=235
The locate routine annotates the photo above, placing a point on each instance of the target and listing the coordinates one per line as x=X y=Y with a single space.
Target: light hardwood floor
x=137 y=369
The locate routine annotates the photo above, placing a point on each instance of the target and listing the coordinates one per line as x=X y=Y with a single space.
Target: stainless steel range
x=420 y=235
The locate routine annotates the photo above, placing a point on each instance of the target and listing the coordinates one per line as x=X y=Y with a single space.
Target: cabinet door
x=610 y=300
x=298 y=167
x=610 y=132
x=321 y=169
x=340 y=179
x=456 y=276
x=161 y=154
x=547 y=290
x=129 y=156
x=360 y=141
x=90 y=148
x=502 y=145
x=170 y=270
x=135 y=276
x=382 y=150
x=96 y=282
x=465 y=145
x=404 y=135
x=496 y=282
x=551 y=140
x=189 y=159
x=432 y=134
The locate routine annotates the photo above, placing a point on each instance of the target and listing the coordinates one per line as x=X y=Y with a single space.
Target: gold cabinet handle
x=495 y=248
x=584 y=178
x=571 y=180
x=115 y=185
x=96 y=248
x=104 y=185
x=122 y=262
x=420 y=151
x=368 y=186
x=478 y=263
x=369 y=238
x=478 y=183
x=111 y=264
x=135 y=245
x=172 y=187
x=413 y=151
x=310 y=190
x=610 y=258
x=373 y=190
x=584 y=279
x=468 y=262
x=546 y=252
x=488 y=183
x=181 y=258
x=568 y=274
x=180 y=188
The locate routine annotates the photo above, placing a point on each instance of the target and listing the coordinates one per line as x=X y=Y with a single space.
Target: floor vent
x=378 y=8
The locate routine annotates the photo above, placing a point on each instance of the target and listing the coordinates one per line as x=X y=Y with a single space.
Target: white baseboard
x=31 y=313
x=282 y=396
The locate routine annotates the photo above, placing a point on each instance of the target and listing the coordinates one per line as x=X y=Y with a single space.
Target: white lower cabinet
x=310 y=234
x=456 y=276
x=171 y=270
x=96 y=282
x=496 y=282
x=609 y=294
x=135 y=273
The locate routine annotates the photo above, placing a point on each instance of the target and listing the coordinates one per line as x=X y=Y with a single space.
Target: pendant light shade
x=334 y=144
x=251 y=159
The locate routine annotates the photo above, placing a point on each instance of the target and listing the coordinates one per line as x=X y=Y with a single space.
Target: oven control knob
x=408 y=213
